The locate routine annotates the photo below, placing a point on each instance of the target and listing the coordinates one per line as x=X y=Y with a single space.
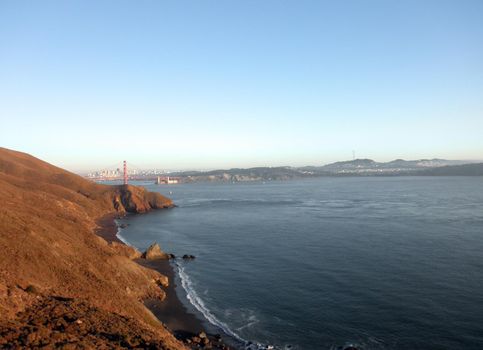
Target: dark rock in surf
x=188 y=257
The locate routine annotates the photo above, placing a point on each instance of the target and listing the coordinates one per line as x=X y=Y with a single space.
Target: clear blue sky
x=207 y=84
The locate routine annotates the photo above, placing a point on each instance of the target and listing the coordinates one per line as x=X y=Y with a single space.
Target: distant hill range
x=356 y=167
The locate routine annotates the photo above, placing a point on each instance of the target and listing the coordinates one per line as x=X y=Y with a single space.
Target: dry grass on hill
x=49 y=249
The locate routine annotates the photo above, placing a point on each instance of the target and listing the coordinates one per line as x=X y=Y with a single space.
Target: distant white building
x=166 y=180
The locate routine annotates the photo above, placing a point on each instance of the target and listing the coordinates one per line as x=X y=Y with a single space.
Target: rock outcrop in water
x=132 y=199
x=60 y=284
x=154 y=252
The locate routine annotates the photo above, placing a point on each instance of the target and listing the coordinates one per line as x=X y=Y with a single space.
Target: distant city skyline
x=134 y=169
x=208 y=85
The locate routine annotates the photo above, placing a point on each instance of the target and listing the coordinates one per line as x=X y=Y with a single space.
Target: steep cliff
x=52 y=261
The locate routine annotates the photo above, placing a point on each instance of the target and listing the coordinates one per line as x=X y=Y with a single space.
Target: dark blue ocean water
x=385 y=263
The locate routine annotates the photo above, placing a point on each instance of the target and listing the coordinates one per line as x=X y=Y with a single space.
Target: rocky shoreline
x=61 y=285
x=64 y=286
x=185 y=326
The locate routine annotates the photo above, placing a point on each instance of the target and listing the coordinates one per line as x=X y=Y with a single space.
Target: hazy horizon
x=209 y=85
x=160 y=167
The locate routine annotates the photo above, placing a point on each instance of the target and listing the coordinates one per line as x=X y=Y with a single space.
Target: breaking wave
x=198 y=303
x=119 y=236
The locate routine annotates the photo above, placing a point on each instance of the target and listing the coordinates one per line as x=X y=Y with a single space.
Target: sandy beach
x=171 y=311
x=107 y=228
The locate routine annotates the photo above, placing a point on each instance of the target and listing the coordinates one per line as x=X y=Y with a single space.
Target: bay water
x=378 y=262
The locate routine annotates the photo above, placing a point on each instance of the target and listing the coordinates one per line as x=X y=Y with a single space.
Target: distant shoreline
x=353 y=168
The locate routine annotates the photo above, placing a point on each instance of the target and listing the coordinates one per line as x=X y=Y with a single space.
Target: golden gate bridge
x=119 y=172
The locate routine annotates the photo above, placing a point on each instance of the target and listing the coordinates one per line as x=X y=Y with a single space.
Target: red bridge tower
x=125 y=173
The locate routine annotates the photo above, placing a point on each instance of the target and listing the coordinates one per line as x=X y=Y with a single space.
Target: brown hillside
x=49 y=249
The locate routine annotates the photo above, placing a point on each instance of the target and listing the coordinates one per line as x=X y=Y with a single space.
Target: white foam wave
x=198 y=303
x=249 y=324
x=119 y=236
x=122 y=239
